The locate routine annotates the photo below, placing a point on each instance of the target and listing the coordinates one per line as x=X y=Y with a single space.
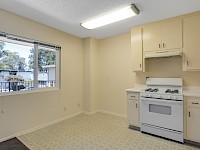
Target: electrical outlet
x=65 y=108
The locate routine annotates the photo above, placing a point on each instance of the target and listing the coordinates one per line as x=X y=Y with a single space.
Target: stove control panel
x=161 y=96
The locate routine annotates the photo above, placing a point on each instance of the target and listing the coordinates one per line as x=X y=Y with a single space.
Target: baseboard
x=134 y=127
x=105 y=112
x=89 y=113
x=39 y=127
x=192 y=143
x=112 y=113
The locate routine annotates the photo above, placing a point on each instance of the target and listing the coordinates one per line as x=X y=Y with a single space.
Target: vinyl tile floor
x=96 y=132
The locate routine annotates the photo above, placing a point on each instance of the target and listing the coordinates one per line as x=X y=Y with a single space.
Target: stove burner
x=176 y=91
x=155 y=90
x=171 y=91
x=151 y=90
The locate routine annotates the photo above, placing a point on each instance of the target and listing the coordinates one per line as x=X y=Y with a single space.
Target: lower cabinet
x=193 y=119
x=133 y=109
x=133 y=113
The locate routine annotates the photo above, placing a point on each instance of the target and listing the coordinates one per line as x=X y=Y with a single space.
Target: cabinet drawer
x=193 y=102
x=134 y=96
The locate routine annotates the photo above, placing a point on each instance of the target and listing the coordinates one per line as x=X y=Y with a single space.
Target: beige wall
x=26 y=111
x=90 y=75
x=116 y=75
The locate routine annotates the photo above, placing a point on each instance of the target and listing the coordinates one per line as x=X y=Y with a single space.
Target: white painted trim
x=112 y=113
x=191 y=88
x=47 y=89
x=105 y=112
x=89 y=113
x=39 y=127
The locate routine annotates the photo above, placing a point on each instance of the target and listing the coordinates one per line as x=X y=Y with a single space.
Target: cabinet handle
x=187 y=63
x=159 y=45
x=195 y=103
x=136 y=105
x=163 y=45
x=189 y=113
x=132 y=96
x=140 y=65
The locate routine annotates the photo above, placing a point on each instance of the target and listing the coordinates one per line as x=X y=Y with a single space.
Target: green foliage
x=2 y=51
x=14 y=82
x=14 y=78
x=12 y=61
x=45 y=57
x=2 y=44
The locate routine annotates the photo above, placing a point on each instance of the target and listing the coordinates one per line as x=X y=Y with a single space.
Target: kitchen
x=110 y=67
x=165 y=106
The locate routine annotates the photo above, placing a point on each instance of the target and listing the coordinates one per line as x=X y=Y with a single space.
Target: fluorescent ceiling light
x=121 y=14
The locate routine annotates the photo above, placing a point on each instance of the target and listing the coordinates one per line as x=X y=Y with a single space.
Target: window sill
x=29 y=91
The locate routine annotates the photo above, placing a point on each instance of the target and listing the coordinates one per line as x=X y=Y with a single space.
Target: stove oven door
x=162 y=113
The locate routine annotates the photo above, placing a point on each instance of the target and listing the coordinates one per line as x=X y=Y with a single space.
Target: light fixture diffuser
x=121 y=14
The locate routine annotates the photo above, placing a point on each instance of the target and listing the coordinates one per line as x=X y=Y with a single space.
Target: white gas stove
x=161 y=108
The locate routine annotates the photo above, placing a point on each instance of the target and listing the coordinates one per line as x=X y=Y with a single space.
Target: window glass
x=16 y=72
x=27 y=66
x=46 y=67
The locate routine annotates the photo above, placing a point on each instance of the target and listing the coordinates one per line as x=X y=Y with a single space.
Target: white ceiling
x=66 y=15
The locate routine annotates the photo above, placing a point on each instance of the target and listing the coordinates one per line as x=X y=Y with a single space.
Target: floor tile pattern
x=96 y=132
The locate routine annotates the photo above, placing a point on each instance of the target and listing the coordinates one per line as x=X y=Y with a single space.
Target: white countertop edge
x=191 y=88
x=191 y=94
x=191 y=91
x=136 y=88
x=133 y=90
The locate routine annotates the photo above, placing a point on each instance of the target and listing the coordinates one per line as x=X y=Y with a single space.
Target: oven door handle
x=162 y=100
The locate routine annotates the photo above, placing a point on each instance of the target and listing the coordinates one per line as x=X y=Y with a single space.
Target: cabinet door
x=152 y=37
x=193 y=124
x=191 y=39
x=133 y=113
x=172 y=34
x=136 y=48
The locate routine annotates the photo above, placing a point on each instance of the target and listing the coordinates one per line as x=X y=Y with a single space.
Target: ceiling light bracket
x=135 y=9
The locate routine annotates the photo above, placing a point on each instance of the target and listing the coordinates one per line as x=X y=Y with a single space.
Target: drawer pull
x=195 y=103
x=132 y=96
x=163 y=45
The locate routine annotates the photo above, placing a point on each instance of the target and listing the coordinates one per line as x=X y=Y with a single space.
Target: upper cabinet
x=152 y=37
x=191 y=39
x=136 y=48
x=165 y=35
x=165 y=38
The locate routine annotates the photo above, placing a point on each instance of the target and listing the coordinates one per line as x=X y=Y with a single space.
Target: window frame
x=28 y=42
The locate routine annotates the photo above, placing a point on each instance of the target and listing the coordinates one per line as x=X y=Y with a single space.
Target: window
x=27 y=65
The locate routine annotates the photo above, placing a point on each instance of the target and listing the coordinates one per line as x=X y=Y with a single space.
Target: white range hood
x=165 y=53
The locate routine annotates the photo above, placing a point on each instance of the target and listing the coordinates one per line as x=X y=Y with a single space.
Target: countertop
x=136 y=88
x=191 y=91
